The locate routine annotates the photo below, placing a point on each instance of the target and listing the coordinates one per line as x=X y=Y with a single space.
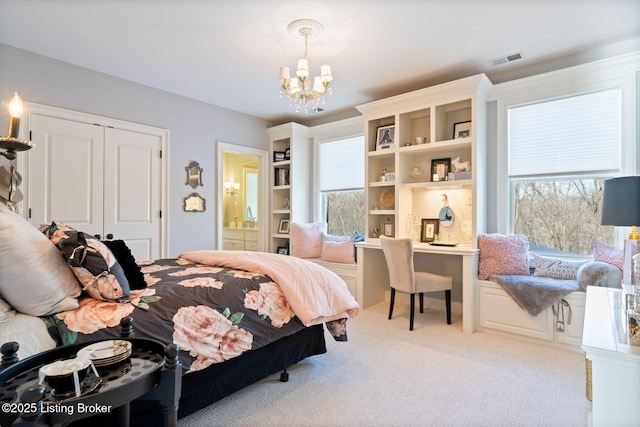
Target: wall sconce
x=11 y=143
x=232 y=187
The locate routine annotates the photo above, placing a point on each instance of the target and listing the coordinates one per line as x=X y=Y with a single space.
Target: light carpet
x=436 y=375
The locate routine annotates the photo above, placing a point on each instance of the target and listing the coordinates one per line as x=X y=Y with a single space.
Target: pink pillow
x=338 y=251
x=306 y=239
x=603 y=252
x=503 y=255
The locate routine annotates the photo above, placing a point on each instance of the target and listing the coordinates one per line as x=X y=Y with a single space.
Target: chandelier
x=299 y=89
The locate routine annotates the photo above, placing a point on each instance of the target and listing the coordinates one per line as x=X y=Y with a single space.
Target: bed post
x=9 y=352
x=126 y=327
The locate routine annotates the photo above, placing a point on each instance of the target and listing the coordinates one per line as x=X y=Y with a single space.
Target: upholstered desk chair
x=402 y=277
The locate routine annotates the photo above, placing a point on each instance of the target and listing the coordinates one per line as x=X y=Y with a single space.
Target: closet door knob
x=109 y=236
x=97 y=236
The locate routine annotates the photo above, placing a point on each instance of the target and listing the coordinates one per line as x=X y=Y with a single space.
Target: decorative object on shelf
x=387 y=229
x=385 y=137
x=283 y=250
x=413 y=226
x=620 y=201
x=281 y=177
x=429 y=230
x=194 y=175
x=461 y=130
x=232 y=187
x=283 y=228
x=279 y=156
x=194 y=203
x=285 y=203
x=417 y=173
x=375 y=233
x=383 y=175
x=299 y=89
x=389 y=176
x=440 y=169
x=446 y=215
x=387 y=199
x=11 y=144
x=459 y=166
x=422 y=140
x=287 y=154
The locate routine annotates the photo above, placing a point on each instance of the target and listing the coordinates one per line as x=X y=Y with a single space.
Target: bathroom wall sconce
x=232 y=188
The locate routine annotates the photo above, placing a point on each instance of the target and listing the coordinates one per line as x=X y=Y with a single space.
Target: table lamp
x=621 y=207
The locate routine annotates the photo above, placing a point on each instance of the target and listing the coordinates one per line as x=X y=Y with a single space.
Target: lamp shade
x=621 y=201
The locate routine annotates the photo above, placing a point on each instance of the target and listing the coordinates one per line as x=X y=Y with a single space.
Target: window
x=341 y=166
x=560 y=152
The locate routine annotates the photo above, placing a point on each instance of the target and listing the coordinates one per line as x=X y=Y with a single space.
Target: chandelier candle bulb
x=15 y=111
x=284 y=75
x=303 y=68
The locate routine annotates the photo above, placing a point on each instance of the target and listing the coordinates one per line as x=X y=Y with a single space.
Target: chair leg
x=447 y=298
x=421 y=302
x=412 y=311
x=393 y=298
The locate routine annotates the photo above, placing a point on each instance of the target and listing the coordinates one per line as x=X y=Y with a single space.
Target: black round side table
x=151 y=373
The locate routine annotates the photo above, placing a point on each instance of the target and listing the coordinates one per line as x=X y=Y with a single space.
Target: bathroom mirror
x=194 y=174
x=446 y=216
x=251 y=193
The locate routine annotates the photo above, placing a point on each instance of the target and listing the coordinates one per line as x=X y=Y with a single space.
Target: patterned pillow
x=502 y=254
x=603 y=252
x=556 y=268
x=91 y=261
x=306 y=239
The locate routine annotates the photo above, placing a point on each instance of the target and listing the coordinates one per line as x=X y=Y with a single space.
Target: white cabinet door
x=65 y=173
x=132 y=176
x=97 y=179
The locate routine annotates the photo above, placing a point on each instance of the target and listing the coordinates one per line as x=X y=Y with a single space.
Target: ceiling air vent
x=508 y=58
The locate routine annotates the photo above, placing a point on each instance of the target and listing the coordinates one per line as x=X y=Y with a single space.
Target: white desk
x=615 y=364
x=460 y=262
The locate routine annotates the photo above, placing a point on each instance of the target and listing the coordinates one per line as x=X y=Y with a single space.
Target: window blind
x=571 y=135
x=342 y=164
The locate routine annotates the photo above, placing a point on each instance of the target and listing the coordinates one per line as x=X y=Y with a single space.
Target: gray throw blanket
x=536 y=293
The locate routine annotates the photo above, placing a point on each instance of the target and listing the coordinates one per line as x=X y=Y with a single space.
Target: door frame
x=263 y=194
x=77 y=116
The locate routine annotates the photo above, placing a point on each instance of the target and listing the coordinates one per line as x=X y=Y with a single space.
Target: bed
x=237 y=316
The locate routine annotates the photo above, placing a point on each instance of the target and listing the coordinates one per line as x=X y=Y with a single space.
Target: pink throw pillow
x=335 y=251
x=603 y=252
x=503 y=255
x=306 y=239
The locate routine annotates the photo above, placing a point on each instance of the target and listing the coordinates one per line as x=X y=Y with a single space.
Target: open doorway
x=242 y=201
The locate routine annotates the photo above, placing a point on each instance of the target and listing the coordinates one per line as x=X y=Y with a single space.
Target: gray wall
x=194 y=127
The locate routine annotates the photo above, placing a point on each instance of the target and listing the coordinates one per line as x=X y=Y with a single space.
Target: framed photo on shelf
x=387 y=229
x=440 y=169
x=279 y=156
x=461 y=130
x=429 y=230
x=284 y=226
x=385 y=137
x=283 y=250
x=287 y=154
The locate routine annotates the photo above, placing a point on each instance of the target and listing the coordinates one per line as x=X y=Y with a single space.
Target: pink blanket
x=315 y=294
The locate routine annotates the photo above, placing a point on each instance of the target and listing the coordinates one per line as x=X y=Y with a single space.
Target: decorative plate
x=387 y=199
x=106 y=352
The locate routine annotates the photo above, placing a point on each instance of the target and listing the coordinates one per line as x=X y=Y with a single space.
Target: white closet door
x=65 y=173
x=132 y=191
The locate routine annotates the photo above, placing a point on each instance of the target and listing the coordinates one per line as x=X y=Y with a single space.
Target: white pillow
x=34 y=278
x=557 y=268
x=6 y=311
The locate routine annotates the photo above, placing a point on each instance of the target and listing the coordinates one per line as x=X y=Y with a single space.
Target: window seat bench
x=498 y=312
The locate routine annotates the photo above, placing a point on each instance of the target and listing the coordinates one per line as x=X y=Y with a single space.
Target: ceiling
x=228 y=52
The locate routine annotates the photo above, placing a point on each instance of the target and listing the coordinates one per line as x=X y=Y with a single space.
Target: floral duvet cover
x=213 y=313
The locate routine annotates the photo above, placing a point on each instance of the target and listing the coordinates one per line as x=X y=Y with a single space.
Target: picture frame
x=385 y=137
x=283 y=228
x=283 y=250
x=429 y=230
x=462 y=130
x=279 y=156
x=440 y=169
x=387 y=229
x=287 y=154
